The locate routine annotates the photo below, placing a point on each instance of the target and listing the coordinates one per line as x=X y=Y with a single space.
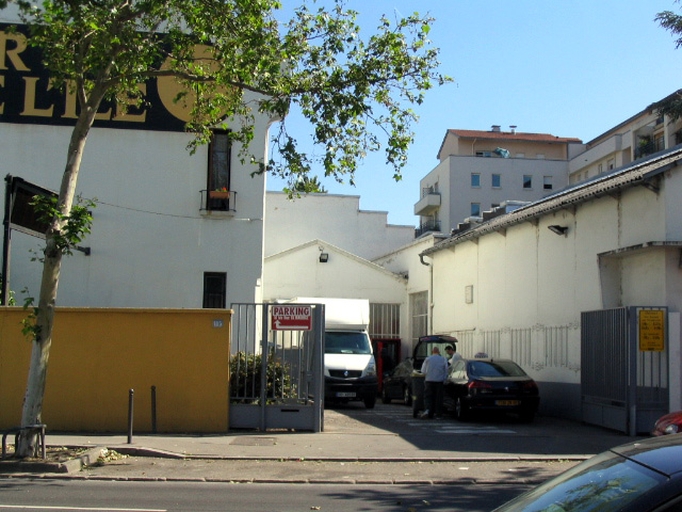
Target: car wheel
x=461 y=409
x=407 y=395
x=384 y=396
x=370 y=401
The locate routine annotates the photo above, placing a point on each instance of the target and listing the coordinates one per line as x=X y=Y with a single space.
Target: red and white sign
x=291 y=318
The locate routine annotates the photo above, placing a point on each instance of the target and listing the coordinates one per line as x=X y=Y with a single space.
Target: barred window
x=419 y=311
x=384 y=321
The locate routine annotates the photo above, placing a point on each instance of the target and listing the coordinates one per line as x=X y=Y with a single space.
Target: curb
x=89 y=457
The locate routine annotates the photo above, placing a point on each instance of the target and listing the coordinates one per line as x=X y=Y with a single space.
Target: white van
x=349 y=365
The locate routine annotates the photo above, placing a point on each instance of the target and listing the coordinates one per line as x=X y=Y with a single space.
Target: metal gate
x=624 y=368
x=276 y=369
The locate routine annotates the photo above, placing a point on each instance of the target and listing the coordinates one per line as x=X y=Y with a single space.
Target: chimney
x=512 y=128
x=496 y=128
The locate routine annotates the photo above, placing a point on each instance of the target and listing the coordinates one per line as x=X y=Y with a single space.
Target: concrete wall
x=334 y=218
x=98 y=355
x=150 y=241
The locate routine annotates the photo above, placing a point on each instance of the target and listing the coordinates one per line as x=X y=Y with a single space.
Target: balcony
x=218 y=201
x=648 y=146
x=427 y=227
x=429 y=203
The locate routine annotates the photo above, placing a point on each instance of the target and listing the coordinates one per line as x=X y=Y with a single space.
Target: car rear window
x=605 y=482
x=495 y=369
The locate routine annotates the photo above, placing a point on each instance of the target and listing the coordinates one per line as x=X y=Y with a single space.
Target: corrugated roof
x=628 y=176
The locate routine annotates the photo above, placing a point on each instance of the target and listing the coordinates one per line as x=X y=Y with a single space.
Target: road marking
x=97 y=509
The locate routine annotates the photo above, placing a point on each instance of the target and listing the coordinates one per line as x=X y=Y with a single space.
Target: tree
x=355 y=93
x=672 y=105
x=307 y=185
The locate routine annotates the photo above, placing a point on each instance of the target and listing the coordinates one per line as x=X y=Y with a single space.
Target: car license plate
x=345 y=395
x=506 y=402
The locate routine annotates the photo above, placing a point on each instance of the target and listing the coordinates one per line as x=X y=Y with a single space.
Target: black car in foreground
x=493 y=385
x=641 y=476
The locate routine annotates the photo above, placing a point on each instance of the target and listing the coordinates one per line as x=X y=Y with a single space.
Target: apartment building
x=640 y=136
x=480 y=170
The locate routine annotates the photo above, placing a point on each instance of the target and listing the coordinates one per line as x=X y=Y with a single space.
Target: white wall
x=334 y=218
x=150 y=243
x=531 y=285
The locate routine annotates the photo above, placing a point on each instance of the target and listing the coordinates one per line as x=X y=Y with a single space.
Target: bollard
x=131 y=393
x=153 y=409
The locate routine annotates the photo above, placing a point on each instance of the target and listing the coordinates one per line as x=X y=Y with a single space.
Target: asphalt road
x=104 y=496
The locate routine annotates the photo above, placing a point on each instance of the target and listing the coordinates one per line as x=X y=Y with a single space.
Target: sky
x=571 y=68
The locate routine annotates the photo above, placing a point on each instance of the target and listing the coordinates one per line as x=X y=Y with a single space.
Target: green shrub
x=245 y=379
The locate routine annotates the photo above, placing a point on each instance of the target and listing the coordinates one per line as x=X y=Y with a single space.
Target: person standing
x=435 y=370
x=452 y=354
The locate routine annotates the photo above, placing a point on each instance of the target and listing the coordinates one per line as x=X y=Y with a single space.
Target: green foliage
x=355 y=92
x=66 y=230
x=672 y=105
x=245 y=379
x=309 y=185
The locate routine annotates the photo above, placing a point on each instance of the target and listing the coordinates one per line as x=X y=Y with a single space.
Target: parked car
x=639 y=476
x=397 y=385
x=497 y=385
x=669 y=424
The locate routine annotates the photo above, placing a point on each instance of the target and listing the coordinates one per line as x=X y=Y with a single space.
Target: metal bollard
x=154 y=409
x=131 y=394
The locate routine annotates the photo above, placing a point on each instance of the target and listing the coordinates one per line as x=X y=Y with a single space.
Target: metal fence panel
x=622 y=386
x=276 y=376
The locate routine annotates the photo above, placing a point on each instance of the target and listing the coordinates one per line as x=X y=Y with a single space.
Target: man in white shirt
x=452 y=354
x=435 y=370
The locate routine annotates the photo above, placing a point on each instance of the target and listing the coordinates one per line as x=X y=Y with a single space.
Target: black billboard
x=27 y=96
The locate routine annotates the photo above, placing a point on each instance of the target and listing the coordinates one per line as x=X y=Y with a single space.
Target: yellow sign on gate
x=651 y=330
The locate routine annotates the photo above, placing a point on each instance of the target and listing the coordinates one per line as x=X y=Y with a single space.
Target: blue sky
x=574 y=69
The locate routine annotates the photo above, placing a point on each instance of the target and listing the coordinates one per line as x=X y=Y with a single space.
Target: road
x=102 y=496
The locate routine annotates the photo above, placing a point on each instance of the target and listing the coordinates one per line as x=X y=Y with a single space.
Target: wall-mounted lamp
x=558 y=230
x=324 y=257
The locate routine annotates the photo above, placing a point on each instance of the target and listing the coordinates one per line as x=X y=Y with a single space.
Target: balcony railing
x=218 y=201
x=649 y=148
x=427 y=227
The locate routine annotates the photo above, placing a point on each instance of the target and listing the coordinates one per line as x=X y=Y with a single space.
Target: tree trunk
x=37 y=374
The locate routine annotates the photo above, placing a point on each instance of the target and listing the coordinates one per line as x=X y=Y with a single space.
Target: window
x=419 y=309
x=218 y=171
x=497 y=180
x=547 y=182
x=527 y=181
x=475 y=180
x=611 y=164
x=475 y=209
x=215 y=286
x=384 y=321
x=600 y=168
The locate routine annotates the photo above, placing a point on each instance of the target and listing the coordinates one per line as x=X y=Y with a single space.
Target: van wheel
x=370 y=401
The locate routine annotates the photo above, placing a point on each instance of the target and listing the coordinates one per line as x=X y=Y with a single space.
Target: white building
x=158 y=239
x=516 y=285
x=479 y=170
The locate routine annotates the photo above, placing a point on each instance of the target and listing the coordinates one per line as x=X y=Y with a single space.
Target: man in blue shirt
x=435 y=370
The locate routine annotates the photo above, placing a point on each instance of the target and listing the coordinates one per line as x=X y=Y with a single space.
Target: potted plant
x=219 y=193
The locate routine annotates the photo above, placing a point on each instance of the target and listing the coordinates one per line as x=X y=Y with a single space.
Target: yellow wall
x=98 y=355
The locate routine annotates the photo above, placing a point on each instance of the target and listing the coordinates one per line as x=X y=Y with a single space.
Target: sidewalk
x=349 y=448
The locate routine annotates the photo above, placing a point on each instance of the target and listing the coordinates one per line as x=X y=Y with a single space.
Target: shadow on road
x=483 y=435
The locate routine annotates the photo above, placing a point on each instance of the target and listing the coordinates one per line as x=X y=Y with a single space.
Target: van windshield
x=346 y=343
